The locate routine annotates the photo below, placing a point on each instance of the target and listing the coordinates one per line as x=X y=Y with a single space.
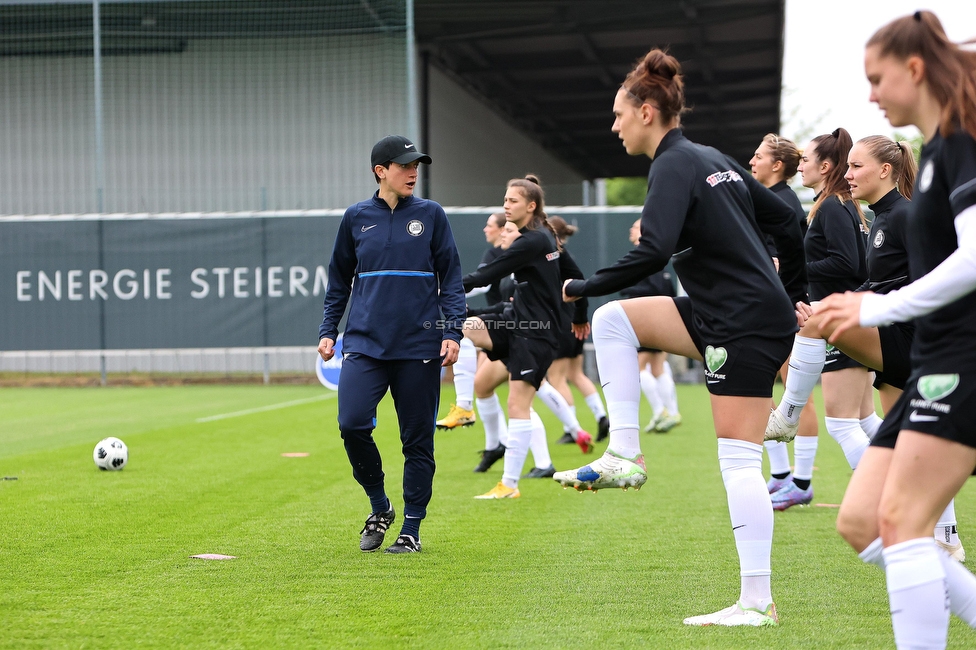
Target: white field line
x=262 y=409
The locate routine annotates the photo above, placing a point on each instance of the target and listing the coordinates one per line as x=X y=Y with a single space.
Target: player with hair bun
x=919 y=77
x=709 y=213
x=526 y=335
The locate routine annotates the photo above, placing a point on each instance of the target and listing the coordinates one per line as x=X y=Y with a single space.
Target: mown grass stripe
x=262 y=409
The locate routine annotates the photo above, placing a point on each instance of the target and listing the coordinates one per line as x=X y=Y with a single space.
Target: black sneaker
x=567 y=439
x=375 y=530
x=540 y=472
x=489 y=457
x=404 y=544
x=603 y=429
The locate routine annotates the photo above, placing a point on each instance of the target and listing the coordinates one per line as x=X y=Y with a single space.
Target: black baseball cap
x=398 y=149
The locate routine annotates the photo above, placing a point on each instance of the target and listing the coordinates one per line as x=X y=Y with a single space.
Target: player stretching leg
x=738 y=315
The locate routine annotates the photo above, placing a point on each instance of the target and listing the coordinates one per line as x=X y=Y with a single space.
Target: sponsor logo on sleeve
x=879 y=239
x=729 y=176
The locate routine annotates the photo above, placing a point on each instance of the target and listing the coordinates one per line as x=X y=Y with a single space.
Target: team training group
x=770 y=291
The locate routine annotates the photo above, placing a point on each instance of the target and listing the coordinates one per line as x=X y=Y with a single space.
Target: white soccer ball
x=111 y=454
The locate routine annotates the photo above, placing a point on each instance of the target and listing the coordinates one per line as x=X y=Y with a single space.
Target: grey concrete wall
x=476 y=152
x=227 y=125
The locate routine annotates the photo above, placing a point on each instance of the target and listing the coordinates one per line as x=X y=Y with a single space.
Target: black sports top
x=494 y=293
x=786 y=193
x=887 y=255
x=945 y=187
x=577 y=312
x=535 y=261
x=657 y=284
x=834 y=245
x=710 y=213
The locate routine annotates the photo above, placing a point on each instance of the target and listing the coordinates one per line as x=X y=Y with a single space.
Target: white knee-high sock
x=849 y=435
x=649 y=387
x=616 y=359
x=751 y=512
x=806 y=364
x=917 y=594
x=538 y=443
x=596 y=406
x=558 y=405
x=493 y=419
x=804 y=453
x=873 y=554
x=870 y=425
x=464 y=370
x=945 y=530
x=666 y=387
x=519 y=437
x=779 y=457
x=960 y=583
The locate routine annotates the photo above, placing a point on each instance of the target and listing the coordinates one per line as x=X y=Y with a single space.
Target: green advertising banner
x=200 y=281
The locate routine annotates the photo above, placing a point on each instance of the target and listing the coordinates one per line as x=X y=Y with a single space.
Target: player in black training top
x=461 y=413
x=568 y=366
x=775 y=162
x=881 y=172
x=709 y=213
x=919 y=77
x=834 y=245
x=656 y=379
x=526 y=336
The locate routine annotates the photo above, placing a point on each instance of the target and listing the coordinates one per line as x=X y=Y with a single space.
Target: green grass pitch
x=92 y=559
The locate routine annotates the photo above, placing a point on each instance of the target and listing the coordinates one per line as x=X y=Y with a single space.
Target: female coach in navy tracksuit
x=395 y=260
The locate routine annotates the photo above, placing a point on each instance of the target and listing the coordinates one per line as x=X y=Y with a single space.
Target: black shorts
x=896 y=347
x=648 y=350
x=942 y=405
x=744 y=367
x=526 y=359
x=570 y=347
x=837 y=360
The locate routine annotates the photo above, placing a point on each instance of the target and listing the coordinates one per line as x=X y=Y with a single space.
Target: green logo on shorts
x=935 y=387
x=715 y=358
x=830 y=348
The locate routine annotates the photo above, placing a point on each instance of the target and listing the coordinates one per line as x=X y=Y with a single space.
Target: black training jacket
x=535 y=261
x=707 y=211
x=887 y=253
x=834 y=246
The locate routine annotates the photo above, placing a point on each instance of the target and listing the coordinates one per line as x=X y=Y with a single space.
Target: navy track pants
x=415 y=387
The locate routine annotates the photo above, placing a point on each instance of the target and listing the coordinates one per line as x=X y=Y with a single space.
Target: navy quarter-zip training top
x=400 y=271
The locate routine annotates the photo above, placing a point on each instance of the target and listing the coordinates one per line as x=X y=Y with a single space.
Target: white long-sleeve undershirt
x=954 y=278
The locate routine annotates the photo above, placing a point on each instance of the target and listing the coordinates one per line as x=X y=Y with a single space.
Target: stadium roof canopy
x=552 y=67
